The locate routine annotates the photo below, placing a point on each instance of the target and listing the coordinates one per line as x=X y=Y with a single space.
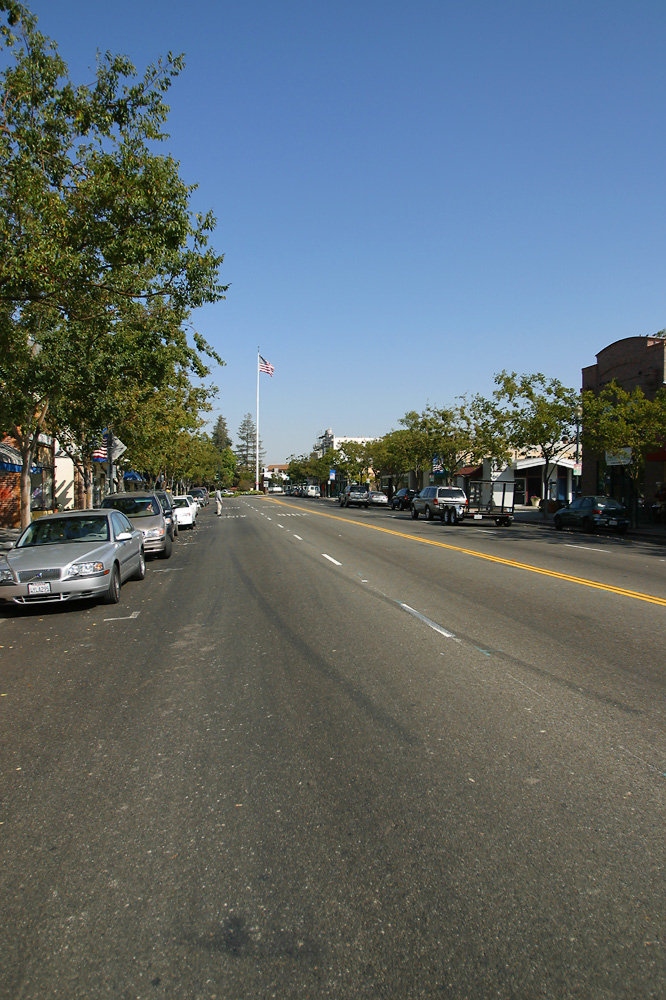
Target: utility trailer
x=491 y=498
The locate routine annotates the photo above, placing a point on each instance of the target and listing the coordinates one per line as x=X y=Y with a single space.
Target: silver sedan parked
x=76 y=554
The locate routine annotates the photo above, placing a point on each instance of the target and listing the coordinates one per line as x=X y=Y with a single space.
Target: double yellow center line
x=581 y=581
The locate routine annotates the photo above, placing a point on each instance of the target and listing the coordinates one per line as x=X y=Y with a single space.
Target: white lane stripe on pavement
x=299 y=538
x=428 y=621
x=585 y=548
x=331 y=559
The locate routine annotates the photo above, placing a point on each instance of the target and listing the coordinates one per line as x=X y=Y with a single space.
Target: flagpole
x=256 y=469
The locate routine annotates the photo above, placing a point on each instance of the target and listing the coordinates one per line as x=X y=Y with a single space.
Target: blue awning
x=134 y=477
x=11 y=461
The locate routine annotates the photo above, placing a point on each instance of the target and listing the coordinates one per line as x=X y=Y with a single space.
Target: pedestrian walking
x=218 y=502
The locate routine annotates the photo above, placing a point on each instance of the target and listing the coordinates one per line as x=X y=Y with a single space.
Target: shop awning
x=11 y=461
x=528 y=463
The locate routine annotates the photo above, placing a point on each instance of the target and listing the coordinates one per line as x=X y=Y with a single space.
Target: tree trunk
x=27 y=446
x=24 y=481
x=87 y=482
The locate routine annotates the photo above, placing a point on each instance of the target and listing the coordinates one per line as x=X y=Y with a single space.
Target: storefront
x=41 y=481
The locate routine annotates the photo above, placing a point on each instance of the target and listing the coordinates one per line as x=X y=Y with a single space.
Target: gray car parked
x=354 y=494
x=145 y=512
x=449 y=503
x=77 y=554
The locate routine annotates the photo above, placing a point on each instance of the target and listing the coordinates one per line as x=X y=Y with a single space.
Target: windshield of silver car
x=65 y=529
x=134 y=506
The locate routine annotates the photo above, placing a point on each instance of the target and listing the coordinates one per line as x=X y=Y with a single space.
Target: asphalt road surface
x=339 y=753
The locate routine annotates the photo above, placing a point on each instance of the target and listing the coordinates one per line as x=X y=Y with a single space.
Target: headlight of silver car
x=83 y=569
x=153 y=533
x=6 y=575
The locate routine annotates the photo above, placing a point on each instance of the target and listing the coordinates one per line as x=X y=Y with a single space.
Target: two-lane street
x=341 y=753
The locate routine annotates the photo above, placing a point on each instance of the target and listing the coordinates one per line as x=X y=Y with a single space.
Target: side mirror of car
x=124 y=536
x=6 y=546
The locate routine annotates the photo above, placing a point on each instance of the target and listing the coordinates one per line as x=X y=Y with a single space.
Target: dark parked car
x=446 y=502
x=591 y=513
x=402 y=500
x=200 y=495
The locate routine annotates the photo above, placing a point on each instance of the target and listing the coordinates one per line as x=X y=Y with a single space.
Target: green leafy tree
x=220 y=434
x=539 y=414
x=352 y=459
x=246 y=449
x=299 y=468
x=225 y=475
x=619 y=420
x=101 y=260
x=420 y=443
x=390 y=457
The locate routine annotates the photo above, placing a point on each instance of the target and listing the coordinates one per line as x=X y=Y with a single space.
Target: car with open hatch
x=145 y=512
x=593 y=513
x=72 y=555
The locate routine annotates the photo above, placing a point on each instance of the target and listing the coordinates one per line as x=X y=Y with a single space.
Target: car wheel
x=166 y=551
x=113 y=593
x=141 y=569
x=427 y=513
x=557 y=521
x=415 y=513
x=453 y=516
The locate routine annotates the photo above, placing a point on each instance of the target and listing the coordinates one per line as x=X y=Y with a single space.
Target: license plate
x=613 y=521
x=478 y=517
x=39 y=588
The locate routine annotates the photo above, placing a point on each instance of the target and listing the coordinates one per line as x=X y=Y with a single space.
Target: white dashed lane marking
x=428 y=621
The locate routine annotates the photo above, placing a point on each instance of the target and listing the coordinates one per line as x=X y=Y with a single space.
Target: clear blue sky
x=410 y=196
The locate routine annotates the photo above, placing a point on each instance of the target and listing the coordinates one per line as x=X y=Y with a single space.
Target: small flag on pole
x=266 y=366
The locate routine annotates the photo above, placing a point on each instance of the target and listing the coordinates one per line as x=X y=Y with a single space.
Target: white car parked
x=185 y=510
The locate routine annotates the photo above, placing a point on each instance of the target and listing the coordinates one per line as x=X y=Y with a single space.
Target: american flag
x=100 y=453
x=266 y=366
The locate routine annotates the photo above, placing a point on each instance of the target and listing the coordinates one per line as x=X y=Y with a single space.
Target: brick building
x=632 y=362
x=41 y=481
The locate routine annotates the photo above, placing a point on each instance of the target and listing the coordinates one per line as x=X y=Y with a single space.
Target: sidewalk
x=534 y=516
